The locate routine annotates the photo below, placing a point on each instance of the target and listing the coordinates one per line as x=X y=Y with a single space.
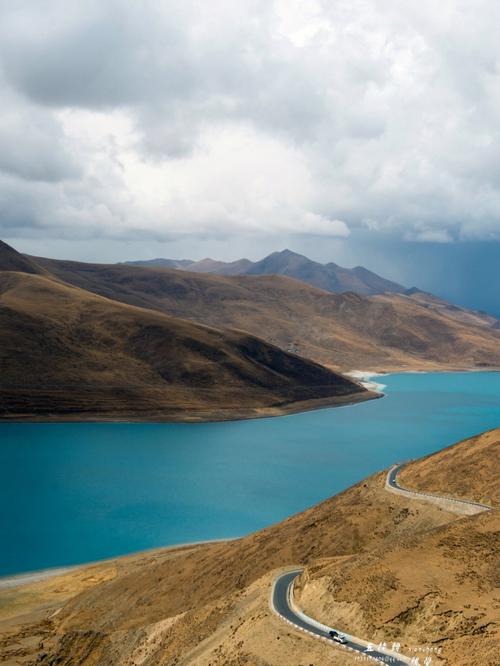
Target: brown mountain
x=431 y=302
x=239 y=267
x=378 y=565
x=206 y=265
x=345 y=331
x=65 y=352
x=329 y=277
x=162 y=263
x=12 y=260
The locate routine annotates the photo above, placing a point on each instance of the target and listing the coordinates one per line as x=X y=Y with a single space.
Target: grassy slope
x=436 y=588
x=471 y=479
x=377 y=563
x=65 y=351
x=344 y=331
x=11 y=260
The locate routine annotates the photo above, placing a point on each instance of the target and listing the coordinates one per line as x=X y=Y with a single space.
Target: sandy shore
x=364 y=377
x=18 y=580
x=33 y=577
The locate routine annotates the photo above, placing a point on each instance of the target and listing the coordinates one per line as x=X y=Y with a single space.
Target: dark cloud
x=93 y=54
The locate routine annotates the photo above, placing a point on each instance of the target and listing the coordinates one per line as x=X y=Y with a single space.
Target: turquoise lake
x=73 y=493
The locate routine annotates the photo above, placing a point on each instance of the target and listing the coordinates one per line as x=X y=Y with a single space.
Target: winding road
x=282 y=602
x=466 y=507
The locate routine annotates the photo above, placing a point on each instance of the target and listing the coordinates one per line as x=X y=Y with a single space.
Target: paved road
x=393 y=483
x=281 y=603
x=391 y=477
x=281 y=594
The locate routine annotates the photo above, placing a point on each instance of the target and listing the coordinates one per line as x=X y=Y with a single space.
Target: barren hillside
x=466 y=470
x=65 y=352
x=12 y=260
x=344 y=331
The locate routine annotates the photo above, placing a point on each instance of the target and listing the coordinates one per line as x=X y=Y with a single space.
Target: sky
x=357 y=131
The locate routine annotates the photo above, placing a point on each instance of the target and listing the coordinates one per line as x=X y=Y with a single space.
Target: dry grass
x=65 y=352
x=344 y=331
x=11 y=260
x=437 y=587
x=462 y=470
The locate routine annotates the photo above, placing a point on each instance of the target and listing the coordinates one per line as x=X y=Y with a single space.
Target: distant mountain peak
x=290 y=253
x=330 y=277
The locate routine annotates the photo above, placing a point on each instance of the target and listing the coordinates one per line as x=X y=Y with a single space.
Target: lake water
x=72 y=493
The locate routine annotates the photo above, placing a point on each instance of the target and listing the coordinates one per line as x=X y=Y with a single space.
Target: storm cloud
x=171 y=119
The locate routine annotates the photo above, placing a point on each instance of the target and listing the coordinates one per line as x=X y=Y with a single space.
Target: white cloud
x=174 y=118
x=429 y=235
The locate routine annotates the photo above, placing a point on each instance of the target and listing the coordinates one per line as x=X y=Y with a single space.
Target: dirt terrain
x=377 y=564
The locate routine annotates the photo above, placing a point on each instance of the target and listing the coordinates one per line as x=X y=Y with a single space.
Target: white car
x=337 y=636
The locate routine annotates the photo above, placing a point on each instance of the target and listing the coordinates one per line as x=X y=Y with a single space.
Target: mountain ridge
x=67 y=353
x=12 y=260
x=329 y=276
x=344 y=331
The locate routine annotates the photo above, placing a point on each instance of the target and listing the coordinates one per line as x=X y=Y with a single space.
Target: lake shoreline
x=10 y=582
x=209 y=416
x=373 y=391
x=334 y=437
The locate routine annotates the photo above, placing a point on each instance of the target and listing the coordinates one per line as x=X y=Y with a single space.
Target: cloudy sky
x=357 y=130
